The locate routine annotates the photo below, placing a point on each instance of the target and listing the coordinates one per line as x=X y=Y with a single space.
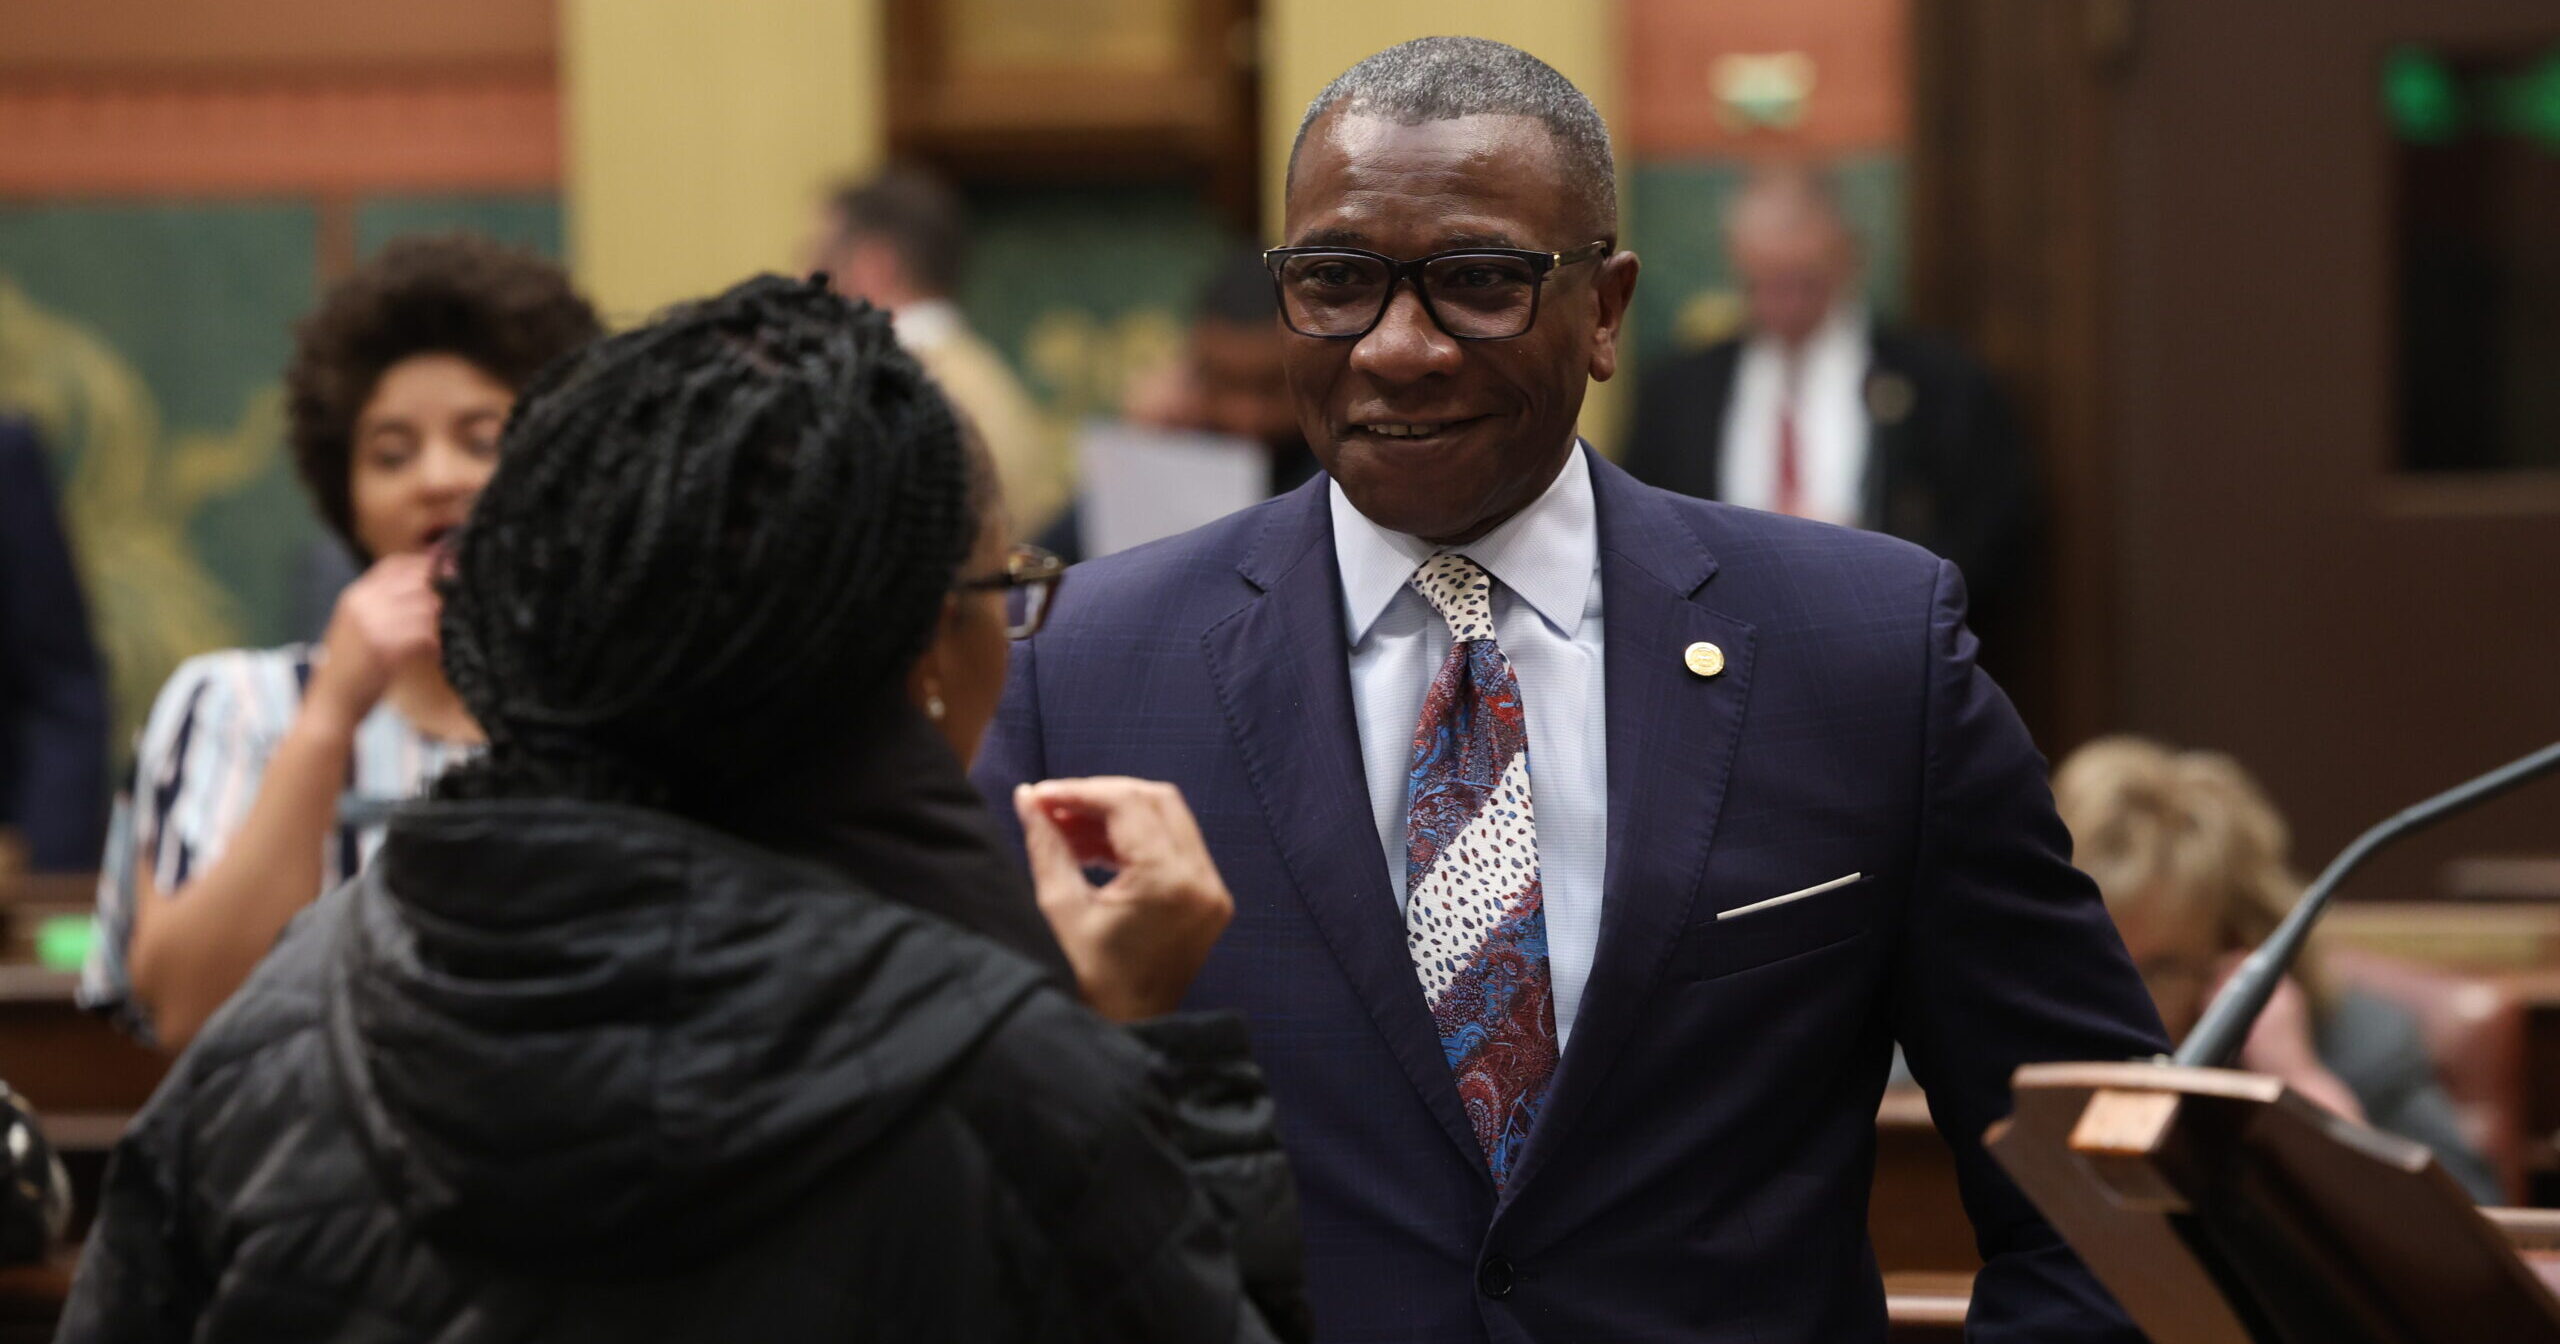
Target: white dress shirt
x=1545 y=562
x=1829 y=389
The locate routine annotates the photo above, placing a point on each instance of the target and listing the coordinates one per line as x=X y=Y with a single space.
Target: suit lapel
x=1671 y=737
x=1284 y=680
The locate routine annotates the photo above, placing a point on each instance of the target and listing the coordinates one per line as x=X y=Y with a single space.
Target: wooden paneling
x=329 y=35
x=2010 y=225
x=145 y=134
x=1860 y=96
x=276 y=97
x=2280 y=601
x=2167 y=227
x=1046 y=90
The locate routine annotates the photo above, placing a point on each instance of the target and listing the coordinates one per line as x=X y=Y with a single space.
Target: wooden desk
x=1914 y=1214
x=2540 y=992
x=1923 y=1308
x=62 y=1059
x=84 y=1077
x=31 y=1298
x=1928 y=1308
x=2487 y=935
x=2504 y=878
x=1924 y=1242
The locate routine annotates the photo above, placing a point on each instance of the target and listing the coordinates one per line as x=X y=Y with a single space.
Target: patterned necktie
x=1475 y=914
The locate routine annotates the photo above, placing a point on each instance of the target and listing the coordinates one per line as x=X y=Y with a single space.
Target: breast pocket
x=1774 y=928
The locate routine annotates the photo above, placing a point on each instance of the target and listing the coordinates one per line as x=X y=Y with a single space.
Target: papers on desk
x=1141 y=484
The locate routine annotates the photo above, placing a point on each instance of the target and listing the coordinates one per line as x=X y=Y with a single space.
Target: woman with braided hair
x=704 y=1003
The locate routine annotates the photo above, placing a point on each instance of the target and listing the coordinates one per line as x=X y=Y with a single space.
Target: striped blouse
x=196 y=769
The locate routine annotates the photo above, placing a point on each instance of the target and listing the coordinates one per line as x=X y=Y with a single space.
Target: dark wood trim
x=1195 y=124
x=2013 y=111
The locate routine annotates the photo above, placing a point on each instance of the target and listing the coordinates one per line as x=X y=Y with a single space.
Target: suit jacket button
x=1703 y=658
x=1495 y=1278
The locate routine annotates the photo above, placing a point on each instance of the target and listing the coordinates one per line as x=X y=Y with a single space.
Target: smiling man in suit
x=1592 y=846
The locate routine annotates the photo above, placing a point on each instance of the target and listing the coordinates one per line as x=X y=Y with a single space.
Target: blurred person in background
x=261 y=774
x=1230 y=380
x=901 y=240
x=53 y=701
x=706 y=1004
x=2192 y=860
x=1818 y=410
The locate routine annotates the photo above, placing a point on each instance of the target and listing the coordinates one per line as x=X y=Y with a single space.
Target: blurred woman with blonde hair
x=2193 y=861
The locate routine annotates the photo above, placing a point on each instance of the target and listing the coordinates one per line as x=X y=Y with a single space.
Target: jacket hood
x=584 y=1034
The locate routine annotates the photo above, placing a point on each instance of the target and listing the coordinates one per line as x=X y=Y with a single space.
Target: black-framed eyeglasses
x=1474 y=294
x=1029 y=582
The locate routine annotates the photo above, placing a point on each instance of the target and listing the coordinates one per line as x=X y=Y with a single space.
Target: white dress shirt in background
x=1545 y=562
x=1831 y=421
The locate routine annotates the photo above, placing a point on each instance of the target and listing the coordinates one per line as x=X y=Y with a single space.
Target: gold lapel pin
x=1704 y=659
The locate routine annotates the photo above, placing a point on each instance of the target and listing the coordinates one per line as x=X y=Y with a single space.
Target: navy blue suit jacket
x=1701 y=1170
x=53 y=701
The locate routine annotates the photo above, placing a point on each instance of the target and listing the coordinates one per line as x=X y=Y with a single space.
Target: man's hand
x=1136 y=941
x=385 y=618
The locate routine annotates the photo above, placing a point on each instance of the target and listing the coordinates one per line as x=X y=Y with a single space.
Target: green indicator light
x=62 y=942
x=2528 y=104
x=2424 y=103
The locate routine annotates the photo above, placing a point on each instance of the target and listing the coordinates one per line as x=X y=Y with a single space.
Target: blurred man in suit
x=1591 y=845
x=901 y=240
x=1819 y=411
x=53 y=702
x=1232 y=379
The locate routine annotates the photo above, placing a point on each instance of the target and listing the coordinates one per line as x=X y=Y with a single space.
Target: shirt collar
x=1547 y=553
x=1845 y=327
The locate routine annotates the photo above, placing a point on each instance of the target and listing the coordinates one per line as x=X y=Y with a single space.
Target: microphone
x=2226 y=1022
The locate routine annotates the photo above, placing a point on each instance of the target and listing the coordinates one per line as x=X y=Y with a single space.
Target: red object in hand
x=1088 y=838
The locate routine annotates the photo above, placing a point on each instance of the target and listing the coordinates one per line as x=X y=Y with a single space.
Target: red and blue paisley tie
x=1475 y=918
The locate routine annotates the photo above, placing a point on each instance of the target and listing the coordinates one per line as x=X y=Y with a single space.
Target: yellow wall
x=1308 y=42
x=701 y=132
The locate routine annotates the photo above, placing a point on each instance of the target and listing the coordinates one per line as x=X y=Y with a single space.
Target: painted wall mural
x=147 y=340
x=1084 y=287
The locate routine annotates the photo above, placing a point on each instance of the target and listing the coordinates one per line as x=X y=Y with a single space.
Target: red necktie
x=1789 y=496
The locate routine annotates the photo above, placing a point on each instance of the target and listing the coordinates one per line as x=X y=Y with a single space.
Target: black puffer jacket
x=560 y=1071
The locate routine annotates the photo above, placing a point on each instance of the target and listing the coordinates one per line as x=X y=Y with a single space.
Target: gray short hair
x=1443 y=78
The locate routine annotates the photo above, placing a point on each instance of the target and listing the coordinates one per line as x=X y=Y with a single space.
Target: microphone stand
x=2218 y=1034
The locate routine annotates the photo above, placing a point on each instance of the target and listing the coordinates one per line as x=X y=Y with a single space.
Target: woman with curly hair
x=261 y=774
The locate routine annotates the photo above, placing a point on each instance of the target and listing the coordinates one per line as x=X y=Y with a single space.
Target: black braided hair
x=713 y=545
